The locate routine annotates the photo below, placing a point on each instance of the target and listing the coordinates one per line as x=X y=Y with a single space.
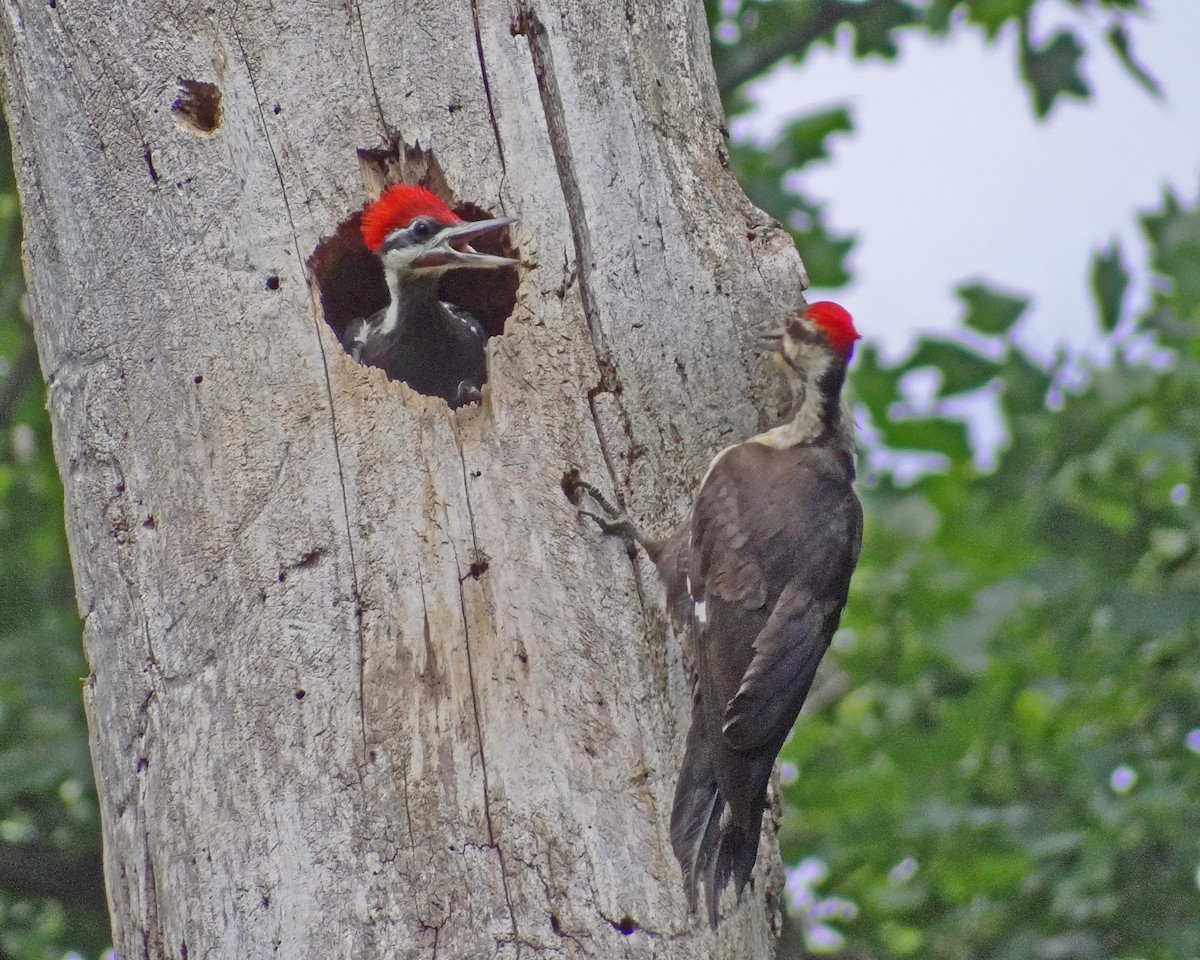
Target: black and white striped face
x=428 y=246
x=815 y=371
x=802 y=350
x=413 y=247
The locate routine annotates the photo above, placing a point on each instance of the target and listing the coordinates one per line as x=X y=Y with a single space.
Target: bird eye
x=422 y=230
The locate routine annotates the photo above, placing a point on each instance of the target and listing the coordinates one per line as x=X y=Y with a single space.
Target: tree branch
x=752 y=60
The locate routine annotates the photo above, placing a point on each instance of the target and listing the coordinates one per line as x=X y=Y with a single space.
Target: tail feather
x=694 y=821
x=710 y=847
x=735 y=849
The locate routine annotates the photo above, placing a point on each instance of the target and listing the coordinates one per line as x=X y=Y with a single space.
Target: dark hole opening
x=350 y=278
x=198 y=106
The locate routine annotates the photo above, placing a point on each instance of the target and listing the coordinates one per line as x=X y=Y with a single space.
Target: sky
x=949 y=177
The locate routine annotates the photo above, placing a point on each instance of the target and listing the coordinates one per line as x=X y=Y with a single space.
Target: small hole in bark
x=272 y=282
x=266 y=902
x=555 y=925
x=310 y=557
x=197 y=109
x=351 y=278
x=570 y=485
x=626 y=925
x=301 y=694
x=142 y=764
x=477 y=569
x=198 y=379
x=149 y=523
x=183 y=951
x=277 y=110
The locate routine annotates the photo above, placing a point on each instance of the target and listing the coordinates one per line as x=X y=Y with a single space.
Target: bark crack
x=97 y=67
x=487 y=807
x=337 y=448
x=487 y=87
x=153 y=943
x=362 y=33
x=530 y=26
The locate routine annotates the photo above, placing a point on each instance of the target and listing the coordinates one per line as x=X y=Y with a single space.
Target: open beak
x=451 y=247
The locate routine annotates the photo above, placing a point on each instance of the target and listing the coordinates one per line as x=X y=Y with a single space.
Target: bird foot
x=622 y=527
x=617 y=523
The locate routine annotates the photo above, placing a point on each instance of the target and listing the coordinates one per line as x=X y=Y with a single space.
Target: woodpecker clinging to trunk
x=435 y=348
x=759 y=574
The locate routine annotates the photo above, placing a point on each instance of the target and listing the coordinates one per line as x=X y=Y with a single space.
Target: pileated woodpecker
x=436 y=348
x=759 y=574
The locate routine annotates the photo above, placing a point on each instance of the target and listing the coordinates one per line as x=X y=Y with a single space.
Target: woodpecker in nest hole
x=434 y=347
x=759 y=576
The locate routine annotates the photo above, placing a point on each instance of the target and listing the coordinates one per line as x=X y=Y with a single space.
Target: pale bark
x=363 y=685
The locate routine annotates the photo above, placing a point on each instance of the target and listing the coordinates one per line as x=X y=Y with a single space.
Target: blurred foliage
x=1002 y=756
x=1012 y=766
x=752 y=37
x=51 y=897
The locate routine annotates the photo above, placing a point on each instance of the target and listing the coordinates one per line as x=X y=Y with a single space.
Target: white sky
x=948 y=176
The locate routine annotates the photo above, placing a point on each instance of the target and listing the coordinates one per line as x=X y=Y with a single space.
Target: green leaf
x=962 y=369
x=1176 y=237
x=990 y=311
x=876 y=23
x=1110 y=280
x=874 y=385
x=1118 y=39
x=824 y=255
x=1155 y=224
x=992 y=15
x=1053 y=70
x=1025 y=384
x=805 y=137
x=935 y=434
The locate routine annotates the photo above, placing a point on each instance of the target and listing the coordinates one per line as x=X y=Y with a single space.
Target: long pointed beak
x=452 y=249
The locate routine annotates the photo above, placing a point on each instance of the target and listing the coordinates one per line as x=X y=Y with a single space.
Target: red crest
x=836 y=323
x=397 y=207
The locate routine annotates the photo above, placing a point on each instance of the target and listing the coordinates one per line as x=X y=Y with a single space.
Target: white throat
x=808 y=419
x=391 y=319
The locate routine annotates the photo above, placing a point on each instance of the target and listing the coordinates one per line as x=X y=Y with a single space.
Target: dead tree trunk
x=362 y=684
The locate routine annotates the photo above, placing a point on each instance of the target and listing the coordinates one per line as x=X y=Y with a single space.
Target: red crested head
x=397 y=207
x=836 y=323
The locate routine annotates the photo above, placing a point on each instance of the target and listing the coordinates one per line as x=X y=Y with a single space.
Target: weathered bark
x=362 y=684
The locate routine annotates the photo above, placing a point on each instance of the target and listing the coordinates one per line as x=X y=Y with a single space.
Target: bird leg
x=617 y=523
